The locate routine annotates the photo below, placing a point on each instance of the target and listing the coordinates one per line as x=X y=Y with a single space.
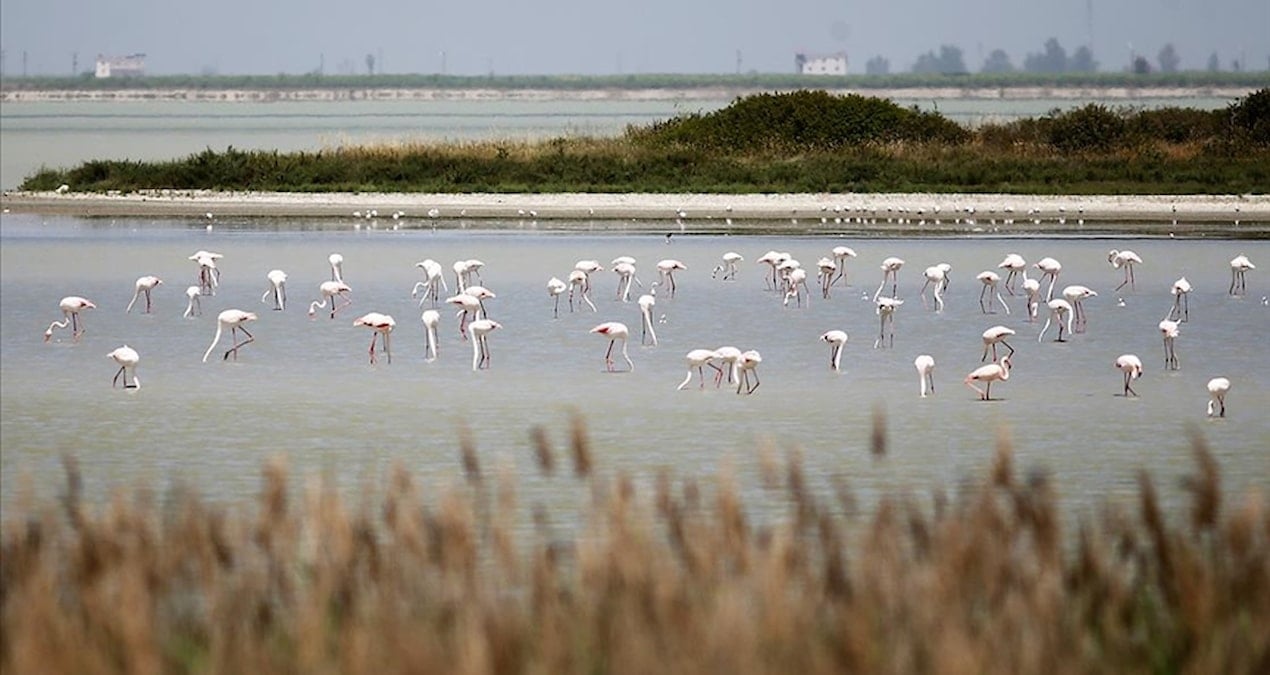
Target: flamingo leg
x=234 y=335
x=970 y=383
x=116 y=380
x=981 y=307
x=1007 y=346
x=556 y=311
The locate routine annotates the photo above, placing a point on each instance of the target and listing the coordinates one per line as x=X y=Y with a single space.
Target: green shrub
x=1093 y=127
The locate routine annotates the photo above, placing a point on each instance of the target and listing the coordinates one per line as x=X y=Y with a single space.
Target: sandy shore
x=1231 y=215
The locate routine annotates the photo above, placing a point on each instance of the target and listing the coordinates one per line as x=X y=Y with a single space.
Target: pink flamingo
x=989 y=374
x=1016 y=266
x=331 y=290
x=614 y=331
x=277 y=288
x=127 y=359
x=1051 y=268
x=729 y=266
x=1217 y=388
x=234 y=319
x=936 y=279
x=840 y=255
x=382 y=325
x=1239 y=265
x=890 y=270
x=747 y=365
x=1059 y=308
x=989 y=280
x=992 y=337
x=144 y=285
x=1131 y=366
x=1125 y=259
x=580 y=283
x=836 y=339
x=698 y=359
x=479 y=330
x=925 y=364
x=431 y=319
x=1169 y=331
x=1181 y=291
x=1076 y=295
x=469 y=307
x=666 y=270
x=194 y=304
x=71 y=306
x=555 y=288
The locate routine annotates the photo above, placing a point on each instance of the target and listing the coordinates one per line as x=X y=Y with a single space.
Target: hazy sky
x=605 y=37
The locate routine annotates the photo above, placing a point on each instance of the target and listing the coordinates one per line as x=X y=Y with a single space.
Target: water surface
x=305 y=387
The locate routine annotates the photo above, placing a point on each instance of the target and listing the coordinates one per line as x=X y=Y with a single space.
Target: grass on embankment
x=803 y=141
x=671 y=578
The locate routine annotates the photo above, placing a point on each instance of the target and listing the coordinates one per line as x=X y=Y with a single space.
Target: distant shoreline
x=1242 y=216
x=331 y=94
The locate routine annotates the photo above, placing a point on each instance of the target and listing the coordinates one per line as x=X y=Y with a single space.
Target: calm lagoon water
x=305 y=388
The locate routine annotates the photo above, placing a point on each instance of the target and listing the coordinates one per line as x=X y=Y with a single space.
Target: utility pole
x=24 y=64
x=443 y=62
x=2 y=55
x=74 y=64
x=738 y=62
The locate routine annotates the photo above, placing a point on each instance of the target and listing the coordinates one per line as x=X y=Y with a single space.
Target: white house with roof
x=821 y=64
x=132 y=65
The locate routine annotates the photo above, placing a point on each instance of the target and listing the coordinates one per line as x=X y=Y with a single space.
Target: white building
x=821 y=64
x=132 y=65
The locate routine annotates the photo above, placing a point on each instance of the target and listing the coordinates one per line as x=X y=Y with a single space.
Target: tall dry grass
x=669 y=578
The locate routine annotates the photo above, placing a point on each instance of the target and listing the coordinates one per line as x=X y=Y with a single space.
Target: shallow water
x=305 y=388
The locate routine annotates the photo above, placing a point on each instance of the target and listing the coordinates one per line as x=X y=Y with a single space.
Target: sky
x=604 y=37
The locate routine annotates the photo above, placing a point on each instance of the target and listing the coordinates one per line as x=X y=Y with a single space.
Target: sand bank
x=1229 y=215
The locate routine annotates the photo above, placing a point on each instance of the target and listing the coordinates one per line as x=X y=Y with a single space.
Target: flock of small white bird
x=786 y=277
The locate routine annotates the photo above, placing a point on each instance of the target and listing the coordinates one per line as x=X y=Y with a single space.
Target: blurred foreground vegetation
x=802 y=141
x=674 y=577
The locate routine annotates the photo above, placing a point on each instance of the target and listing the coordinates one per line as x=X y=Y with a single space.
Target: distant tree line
x=1052 y=59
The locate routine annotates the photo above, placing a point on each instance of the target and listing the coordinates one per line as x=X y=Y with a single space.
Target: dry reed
x=680 y=579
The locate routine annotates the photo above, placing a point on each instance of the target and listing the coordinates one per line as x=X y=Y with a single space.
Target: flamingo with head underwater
x=837 y=339
x=614 y=331
x=71 y=306
x=1131 y=366
x=144 y=285
x=925 y=364
x=381 y=325
x=234 y=320
x=127 y=359
x=277 y=288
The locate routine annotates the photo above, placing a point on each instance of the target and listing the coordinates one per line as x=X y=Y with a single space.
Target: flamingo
x=666 y=270
x=1238 y=266
x=840 y=255
x=937 y=280
x=192 y=294
x=144 y=285
x=989 y=374
x=1181 y=291
x=587 y=268
x=729 y=266
x=234 y=320
x=208 y=272
x=1076 y=294
x=625 y=275
x=1032 y=288
x=1051 y=268
x=1131 y=366
x=1125 y=259
x=337 y=266
x=554 y=288
x=796 y=283
x=989 y=280
x=1059 y=308
x=71 y=306
x=331 y=290
x=481 y=294
x=836 y=339
x=1169 y=331
x=747 y=364
x=992 y=337
x=435 y=277
x=278 y=288
x=479 y=329
x=783 y=271
x=127 y=359
x=886 y=316
x=646 y=304
x=890 y=270
x=382 y=325
x=925 y=364
x=772 y=259
x=731 y=357
x=580 y=283
x=825 y=275
x=431 y=319
x=469 y=307
x=614 y=331
x=1016 y=266
x=699 y=359
x=1217 y=388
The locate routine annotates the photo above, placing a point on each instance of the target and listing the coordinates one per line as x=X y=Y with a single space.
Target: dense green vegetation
x=802 y=141
x=760 y=81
